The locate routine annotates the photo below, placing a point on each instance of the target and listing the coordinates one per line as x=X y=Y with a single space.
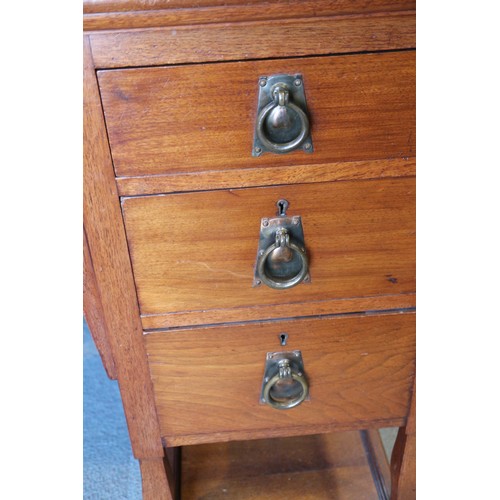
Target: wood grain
x=196 y=251
x=291 y=174
x=94 y=314
x=190 y=128
x=138 y=5
x=127 y=15
x=403 y=465
x=207 y=382
x=108 y=246
x=197 y=118
x=282 y=7
x=154 y=480
x=403 y=459
x=278 y=432
x=319 y=467
x=270 y=312
x=253 y=40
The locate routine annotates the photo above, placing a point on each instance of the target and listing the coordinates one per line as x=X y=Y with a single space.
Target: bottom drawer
x=208 y=381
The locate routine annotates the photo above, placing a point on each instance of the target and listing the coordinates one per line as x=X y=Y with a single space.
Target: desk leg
x=403 y=459
x=403 y=466
x=161 y=476
x=155 y=479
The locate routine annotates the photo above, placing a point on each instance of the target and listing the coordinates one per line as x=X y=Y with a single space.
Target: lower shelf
x=341 y=466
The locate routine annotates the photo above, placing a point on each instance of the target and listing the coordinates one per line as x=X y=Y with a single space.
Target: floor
x=110 y=471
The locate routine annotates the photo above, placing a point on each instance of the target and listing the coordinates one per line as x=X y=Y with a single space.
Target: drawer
x=194 y=118
x=207 y=381
x=193 y=254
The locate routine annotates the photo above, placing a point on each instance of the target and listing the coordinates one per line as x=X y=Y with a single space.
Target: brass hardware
x=282 y=123
x=277 y=255
x=284 y=385
x=282 y=260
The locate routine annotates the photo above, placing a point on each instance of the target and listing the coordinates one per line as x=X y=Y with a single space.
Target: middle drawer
x=193 y=254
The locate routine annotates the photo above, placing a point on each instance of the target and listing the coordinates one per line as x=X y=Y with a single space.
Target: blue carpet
x=109 y=469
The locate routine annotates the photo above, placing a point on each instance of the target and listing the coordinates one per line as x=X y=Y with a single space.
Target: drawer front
x=202 y=117
x=207 y=381
x=196 y=252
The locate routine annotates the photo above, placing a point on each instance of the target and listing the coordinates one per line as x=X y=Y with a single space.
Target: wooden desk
x=177 y=194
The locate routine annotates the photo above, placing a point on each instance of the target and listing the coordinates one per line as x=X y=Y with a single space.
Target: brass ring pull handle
x=286 y=389
x=280 y=252
x=279 y=119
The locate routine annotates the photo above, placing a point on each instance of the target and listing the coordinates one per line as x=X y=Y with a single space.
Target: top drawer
x=201 y=117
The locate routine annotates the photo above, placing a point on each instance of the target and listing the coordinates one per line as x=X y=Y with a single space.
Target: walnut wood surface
x=403 y=459
x=196 y=251
x=154 y=480
x=253 y=40
x=196 y=118
x=404 y=467
x=108 y=247
x=127 y=15
x=207 y=382
x=94 y=314
x=138 y=5
x=277 y=432
x=167 y=135
x=277 y=6
x=269 y=312
x=291 y=174
x=319 y=467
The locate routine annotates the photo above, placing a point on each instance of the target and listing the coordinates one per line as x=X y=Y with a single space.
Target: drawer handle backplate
x=285 y=385
x=282 y=123
x=282 y=260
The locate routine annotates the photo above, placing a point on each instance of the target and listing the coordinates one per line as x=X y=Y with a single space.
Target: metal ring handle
x=281 y=285
x=293 y=401
x=287 y=146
